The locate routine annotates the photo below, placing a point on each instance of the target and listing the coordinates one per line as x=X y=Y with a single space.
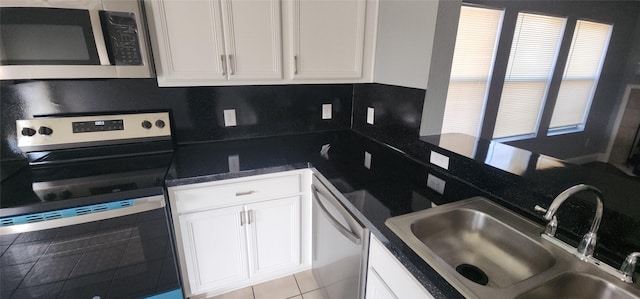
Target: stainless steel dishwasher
x=340 y=244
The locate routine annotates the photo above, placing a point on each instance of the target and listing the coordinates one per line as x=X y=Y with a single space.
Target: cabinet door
x=188 y=41
x=215 y=248
x=252 y=39
x=328 y=38
x=390 y=278
x=376 y=288
x=274 y=232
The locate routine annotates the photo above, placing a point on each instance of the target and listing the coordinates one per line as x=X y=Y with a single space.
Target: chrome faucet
x=588 y=242
x=628 y=266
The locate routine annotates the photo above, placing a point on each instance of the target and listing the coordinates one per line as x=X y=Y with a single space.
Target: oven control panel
x=73 y=131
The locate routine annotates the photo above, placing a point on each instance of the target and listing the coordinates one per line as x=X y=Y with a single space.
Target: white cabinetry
x=214 y=256
x=207 y=42
x=274 y=235
x=328 y=38
x=234 y=233
x=234 y=42
x=388 y=278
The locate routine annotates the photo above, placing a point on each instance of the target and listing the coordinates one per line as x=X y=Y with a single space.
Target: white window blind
x=473 y=58
x=581 y=74
x=534 y=50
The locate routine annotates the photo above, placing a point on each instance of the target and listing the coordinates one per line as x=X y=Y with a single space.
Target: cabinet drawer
x=236 y=191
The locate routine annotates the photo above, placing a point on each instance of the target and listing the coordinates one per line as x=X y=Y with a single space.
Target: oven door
x=114 y=250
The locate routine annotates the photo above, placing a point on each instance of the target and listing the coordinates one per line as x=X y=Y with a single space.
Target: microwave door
x=46 y=42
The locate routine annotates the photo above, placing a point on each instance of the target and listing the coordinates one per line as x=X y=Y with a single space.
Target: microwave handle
x=99 y=38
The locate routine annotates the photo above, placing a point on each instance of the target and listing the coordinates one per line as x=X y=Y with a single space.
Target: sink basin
x=486 y=251
x=575 y=285
x=482 y=248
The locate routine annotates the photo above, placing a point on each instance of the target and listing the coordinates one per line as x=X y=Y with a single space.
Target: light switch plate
x=370 y=115
x=436 y=183
x=367 y=160
x=326 y=111
x=234 y=163
x=439 y=160
x=230 y=118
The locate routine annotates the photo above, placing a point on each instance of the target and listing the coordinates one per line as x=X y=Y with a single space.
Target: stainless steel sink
x=478 y=245
x=576 y=285
x=487 y=251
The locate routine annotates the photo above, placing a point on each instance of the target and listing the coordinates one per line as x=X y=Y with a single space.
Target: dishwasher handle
x=343 y=230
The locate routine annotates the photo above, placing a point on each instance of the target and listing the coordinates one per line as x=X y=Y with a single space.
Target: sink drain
x=473 y=273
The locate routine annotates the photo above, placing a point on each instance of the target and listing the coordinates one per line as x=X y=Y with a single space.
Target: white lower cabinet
x=256 y=231
x=388 y=278
x=274 y=235
x=215 y=248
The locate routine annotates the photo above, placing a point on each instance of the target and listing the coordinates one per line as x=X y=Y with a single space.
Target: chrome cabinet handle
x=224 y=65
x=231 y=70
x=245 y=193
x=251 y=216
x=242 y=218
x=295 y=64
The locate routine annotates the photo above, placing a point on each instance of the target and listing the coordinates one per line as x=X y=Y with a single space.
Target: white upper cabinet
x=328 y=38
x=253 y=41
x=242 y=42
x=209 y=42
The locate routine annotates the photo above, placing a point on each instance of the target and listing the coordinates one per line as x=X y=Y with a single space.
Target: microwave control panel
x=121 y=33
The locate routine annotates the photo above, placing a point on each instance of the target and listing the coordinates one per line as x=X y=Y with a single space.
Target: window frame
x=596 y=79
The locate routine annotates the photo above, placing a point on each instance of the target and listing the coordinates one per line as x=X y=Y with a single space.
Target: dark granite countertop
x=395 y=184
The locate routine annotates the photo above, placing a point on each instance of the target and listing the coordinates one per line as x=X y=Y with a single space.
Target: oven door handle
x=139 y=205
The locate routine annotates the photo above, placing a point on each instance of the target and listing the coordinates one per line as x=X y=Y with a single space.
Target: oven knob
x=146 y=124
x=45 y=131
x=28 y=132
x=160 y=123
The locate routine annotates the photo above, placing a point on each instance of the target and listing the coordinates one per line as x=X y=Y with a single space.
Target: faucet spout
x=588 y=243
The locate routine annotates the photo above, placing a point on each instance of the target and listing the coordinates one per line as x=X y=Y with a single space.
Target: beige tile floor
x=301 y=285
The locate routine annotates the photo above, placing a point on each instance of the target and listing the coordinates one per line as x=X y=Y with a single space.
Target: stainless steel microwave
x=43 y=39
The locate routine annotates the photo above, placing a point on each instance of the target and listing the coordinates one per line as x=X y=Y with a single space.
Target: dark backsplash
x=398 y=111
x=197 y=111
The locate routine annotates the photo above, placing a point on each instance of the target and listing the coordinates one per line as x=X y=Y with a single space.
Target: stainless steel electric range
x=86 y=216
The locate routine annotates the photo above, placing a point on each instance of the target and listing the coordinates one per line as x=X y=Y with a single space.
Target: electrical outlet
x=326 y=111
x=439 y=160
x=230 y=118
x=435 y=183
x=370 y=115
x=234 y=163
x=367 y=160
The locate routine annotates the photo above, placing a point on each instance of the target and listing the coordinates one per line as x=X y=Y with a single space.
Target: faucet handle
x=539 y=209
x=629 y=266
